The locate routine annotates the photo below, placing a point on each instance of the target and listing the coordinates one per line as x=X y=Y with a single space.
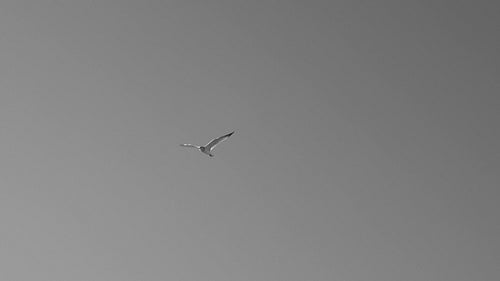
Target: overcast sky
x=366 y=145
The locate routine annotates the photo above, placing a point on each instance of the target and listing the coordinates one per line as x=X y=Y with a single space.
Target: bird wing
x=218 y=140
x=189 y=145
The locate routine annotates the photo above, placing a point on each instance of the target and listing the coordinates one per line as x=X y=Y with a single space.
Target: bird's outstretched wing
x=190 y=145
x=216 y=141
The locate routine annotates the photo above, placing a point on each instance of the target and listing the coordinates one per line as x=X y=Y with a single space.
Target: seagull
x=207 y=149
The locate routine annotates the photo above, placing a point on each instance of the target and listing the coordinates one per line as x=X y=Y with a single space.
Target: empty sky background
x=366 y=144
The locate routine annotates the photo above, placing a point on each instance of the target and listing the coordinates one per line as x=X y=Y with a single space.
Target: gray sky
x=366 y=144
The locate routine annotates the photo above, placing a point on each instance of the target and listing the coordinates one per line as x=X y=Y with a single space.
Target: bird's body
x=207 y=149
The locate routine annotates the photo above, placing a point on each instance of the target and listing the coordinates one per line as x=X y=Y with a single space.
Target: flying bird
x=207 y=149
